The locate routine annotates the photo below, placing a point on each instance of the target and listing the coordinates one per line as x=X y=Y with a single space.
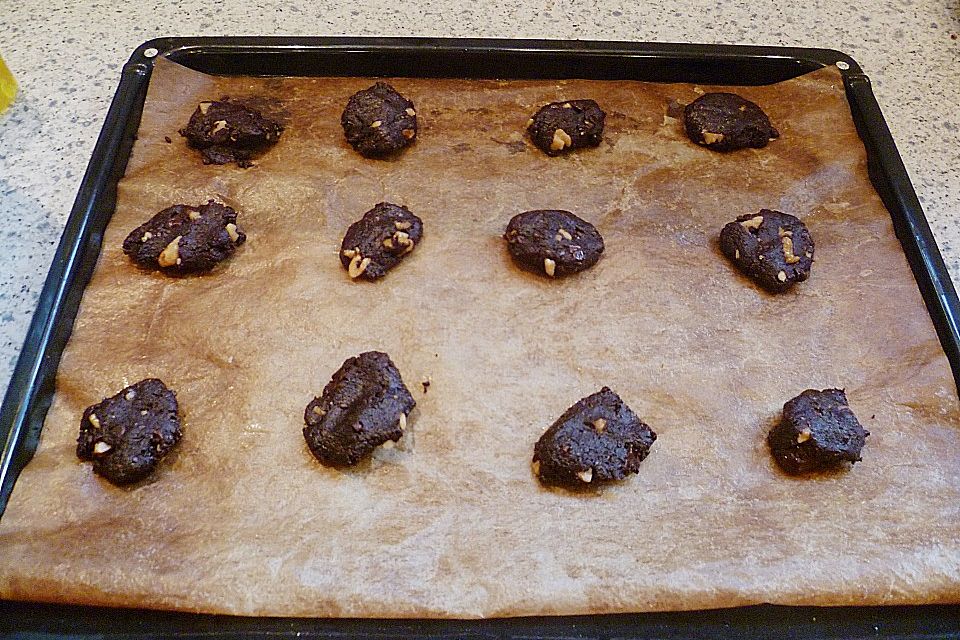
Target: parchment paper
x=241 y=519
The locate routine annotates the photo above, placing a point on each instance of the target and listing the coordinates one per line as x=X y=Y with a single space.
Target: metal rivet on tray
x=843 y=66
x=152 y=52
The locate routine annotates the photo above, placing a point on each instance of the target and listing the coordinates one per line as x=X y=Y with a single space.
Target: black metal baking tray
x=31 y=387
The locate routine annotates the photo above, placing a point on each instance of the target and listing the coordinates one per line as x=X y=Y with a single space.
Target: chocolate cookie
x=598 y=439
x=364 y=405
x=727 y=122
x=185 y=239
x=128 y=434
x=818 y=431
x=773 y=248
x=379 y=240
x=560 y=127
x=378 y=121
x=553 y=242
x=226 y=131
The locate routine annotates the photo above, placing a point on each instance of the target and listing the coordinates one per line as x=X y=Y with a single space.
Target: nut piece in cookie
x=378 y=121
x=560 y=127
x=599 y=439
x=818 y=431
x=552 y=242
x=379 y=240
x=773 y=248
x=364 y=405
x=727 y=122
x=226 y=131
x=184 y=239
x=128 y=434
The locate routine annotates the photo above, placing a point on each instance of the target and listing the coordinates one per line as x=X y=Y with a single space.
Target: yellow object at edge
x=8 y=87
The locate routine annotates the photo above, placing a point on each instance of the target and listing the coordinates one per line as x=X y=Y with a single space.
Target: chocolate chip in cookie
x=599 y=439
x=727 y=122
x=552 y=242
x=362 y=407
x=379 y=240
x=818 y=431
x=183 y=239
x=378 y=121
x=560 y=127
x=128 y=434
x=773 y=248
x=225 y=131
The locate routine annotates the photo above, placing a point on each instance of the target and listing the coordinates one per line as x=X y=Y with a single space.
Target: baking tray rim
x=31 y=385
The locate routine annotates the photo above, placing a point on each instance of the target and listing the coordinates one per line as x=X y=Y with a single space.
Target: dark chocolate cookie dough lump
x=560 y=127
x=364 y=405
x=818 y=431
x=774 y=249
x=127 y=435
x=183 y=239
x=599 y=439
x=727 y=122
x=226 y=131
x=379 y=121
x=553 y=242
x=379 y=241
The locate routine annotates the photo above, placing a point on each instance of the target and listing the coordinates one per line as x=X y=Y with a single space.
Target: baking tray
x=32 y=385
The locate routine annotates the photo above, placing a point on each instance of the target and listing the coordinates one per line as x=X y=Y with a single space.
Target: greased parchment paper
x=241 y=519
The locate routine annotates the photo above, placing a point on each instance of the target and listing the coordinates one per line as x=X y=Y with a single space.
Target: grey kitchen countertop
x=67 y=58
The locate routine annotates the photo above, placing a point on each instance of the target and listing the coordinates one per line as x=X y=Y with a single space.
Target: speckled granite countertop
x=67 y=58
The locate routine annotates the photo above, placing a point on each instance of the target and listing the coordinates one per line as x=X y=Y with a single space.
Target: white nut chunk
x=170 y=255
x=549 y=266
x=788 y=255
x=403 y=239
x=560 y=140
x=711 y=138
x=357 y=266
